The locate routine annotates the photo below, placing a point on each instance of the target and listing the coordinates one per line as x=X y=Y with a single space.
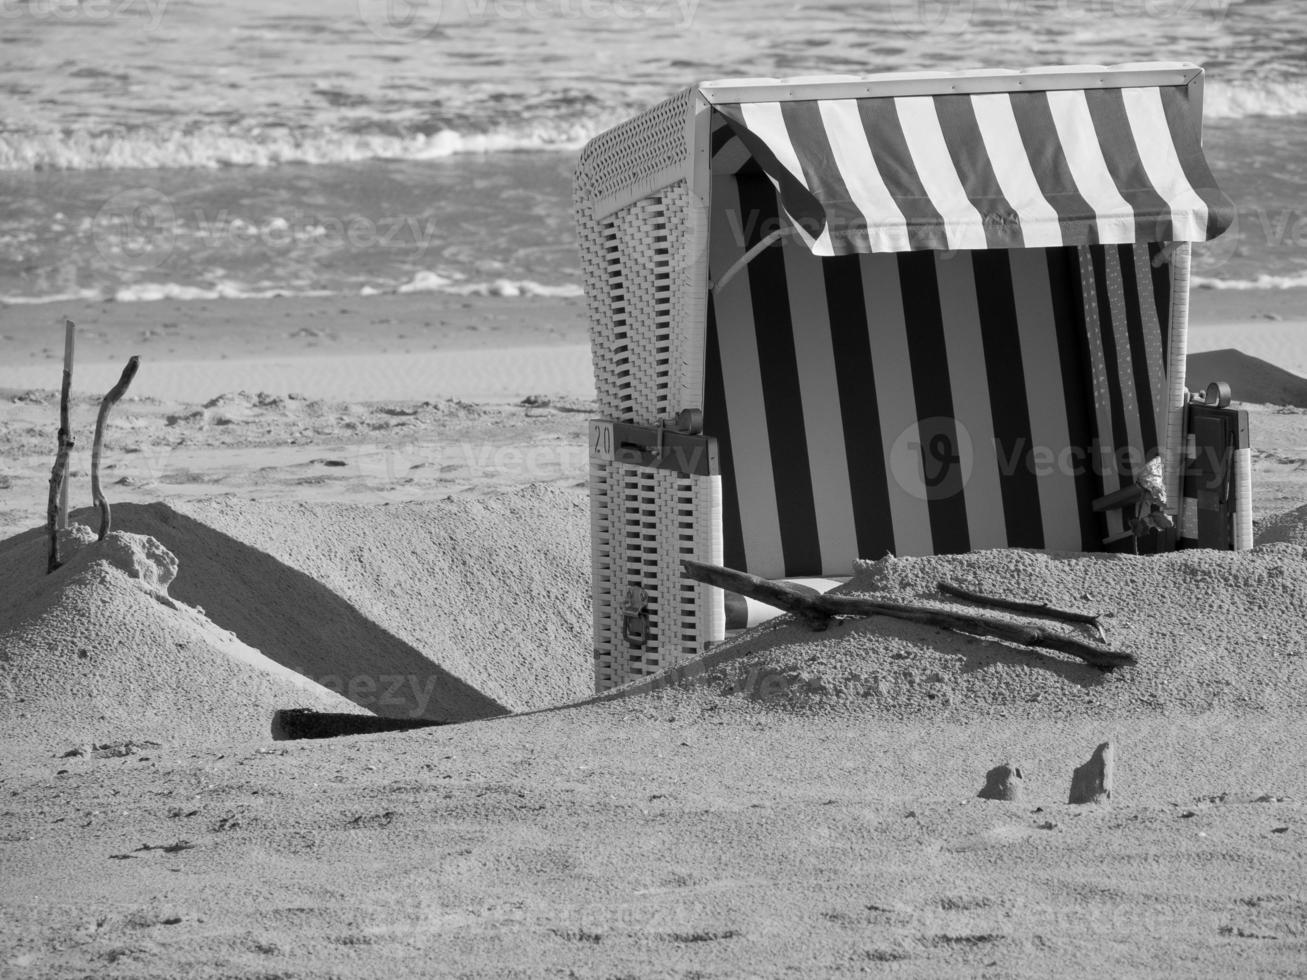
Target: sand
x=1211 y=631
x=98 y=653
x=798 y=803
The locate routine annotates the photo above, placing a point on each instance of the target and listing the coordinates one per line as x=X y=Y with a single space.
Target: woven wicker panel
x=644 y=521
x=636 y=150
x=601 y=568
x=644 y=279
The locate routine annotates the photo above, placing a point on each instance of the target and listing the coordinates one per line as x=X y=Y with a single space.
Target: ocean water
x=175 y=148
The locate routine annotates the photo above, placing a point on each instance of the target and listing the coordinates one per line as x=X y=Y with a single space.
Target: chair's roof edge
x=971 y=81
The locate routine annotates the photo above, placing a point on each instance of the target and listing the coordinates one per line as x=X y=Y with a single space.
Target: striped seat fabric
x=1020 y=169
x=923 y=402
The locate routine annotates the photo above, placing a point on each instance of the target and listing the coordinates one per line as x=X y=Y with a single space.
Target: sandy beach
x=400 y=512
x=328 y=701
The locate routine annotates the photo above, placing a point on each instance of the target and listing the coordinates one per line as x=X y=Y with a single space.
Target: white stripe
x=1143 y=107
x=963 y=225
x=1152 y=334
x=1103 y=455
x=765 y=121
x=965 y=355
x=1084 y=156
x=886 y=227
x=1054 y=457
x=1125 y=362
x=896 y=402
x=1040 y=227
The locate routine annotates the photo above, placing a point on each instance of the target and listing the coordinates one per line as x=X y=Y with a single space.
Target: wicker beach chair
x=835 y=318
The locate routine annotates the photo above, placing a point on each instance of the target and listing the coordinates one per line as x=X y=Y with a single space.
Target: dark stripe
x=716 y=423
x=1186 y=133
x=737 y=609
x=1117 y=139
x=1052 y=173
x=897 y=169
x=1125 y=255
x=782 y=398
x=934 y=403
x=844 y=219
x=1007 y=399
x=859 y=410
x=966 y=147
x=1113 y=361
x=1073 y=352
x=721 y=133
x=803 y=208
x=1161 y=275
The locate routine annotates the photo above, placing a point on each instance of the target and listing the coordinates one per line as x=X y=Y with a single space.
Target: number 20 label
x=601 y=439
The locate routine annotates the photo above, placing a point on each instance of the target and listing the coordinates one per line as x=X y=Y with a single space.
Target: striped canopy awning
x=1009 y=169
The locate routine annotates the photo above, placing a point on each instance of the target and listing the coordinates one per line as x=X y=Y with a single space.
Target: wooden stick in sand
x=818 y=610
x=116 y=392
x=56 y=515
x=70 y=333
x=1019 y=605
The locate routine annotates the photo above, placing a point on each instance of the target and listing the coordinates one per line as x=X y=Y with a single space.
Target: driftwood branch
x=1020 y=605
x=111 y=399
x=56 y=514
x=820 y=609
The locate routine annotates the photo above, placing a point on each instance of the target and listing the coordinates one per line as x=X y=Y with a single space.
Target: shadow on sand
x=300 y=623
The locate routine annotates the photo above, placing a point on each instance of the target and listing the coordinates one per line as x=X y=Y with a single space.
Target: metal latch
x=635 y=616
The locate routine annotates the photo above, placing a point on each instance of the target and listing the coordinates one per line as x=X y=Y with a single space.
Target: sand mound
x=1250 y=378
x=98 y=652
x=1288 y=528
x=451 y=610
x=1212 y=630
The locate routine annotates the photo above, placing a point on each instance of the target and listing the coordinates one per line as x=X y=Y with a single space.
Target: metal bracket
x=678 y=445
x=635 y=616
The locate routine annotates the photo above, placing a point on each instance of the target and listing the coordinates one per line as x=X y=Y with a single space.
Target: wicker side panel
x=602 y=600
x=645 y=280
x=637 y=150
x=610 y=327
x=645 y=521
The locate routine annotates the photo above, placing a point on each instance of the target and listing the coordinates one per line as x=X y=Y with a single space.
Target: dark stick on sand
x=55 y=514
x=1019 y=605
x=116 y=392
x=818 y=610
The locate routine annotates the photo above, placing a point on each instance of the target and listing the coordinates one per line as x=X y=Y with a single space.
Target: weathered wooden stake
x=70 y=333
x=116 y=392
x=818 y=610
x=56 y=513
x=1021 y=605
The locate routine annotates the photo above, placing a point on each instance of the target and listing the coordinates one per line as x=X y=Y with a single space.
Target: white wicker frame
x=642 y=198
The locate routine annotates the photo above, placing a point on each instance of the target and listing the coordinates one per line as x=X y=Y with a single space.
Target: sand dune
x=1196 y=620
x=98 y=652
x=1250 y=378
x=450 y=610
x=1280 y=341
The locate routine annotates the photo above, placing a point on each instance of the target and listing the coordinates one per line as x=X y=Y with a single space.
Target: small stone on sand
x=1002 y=783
